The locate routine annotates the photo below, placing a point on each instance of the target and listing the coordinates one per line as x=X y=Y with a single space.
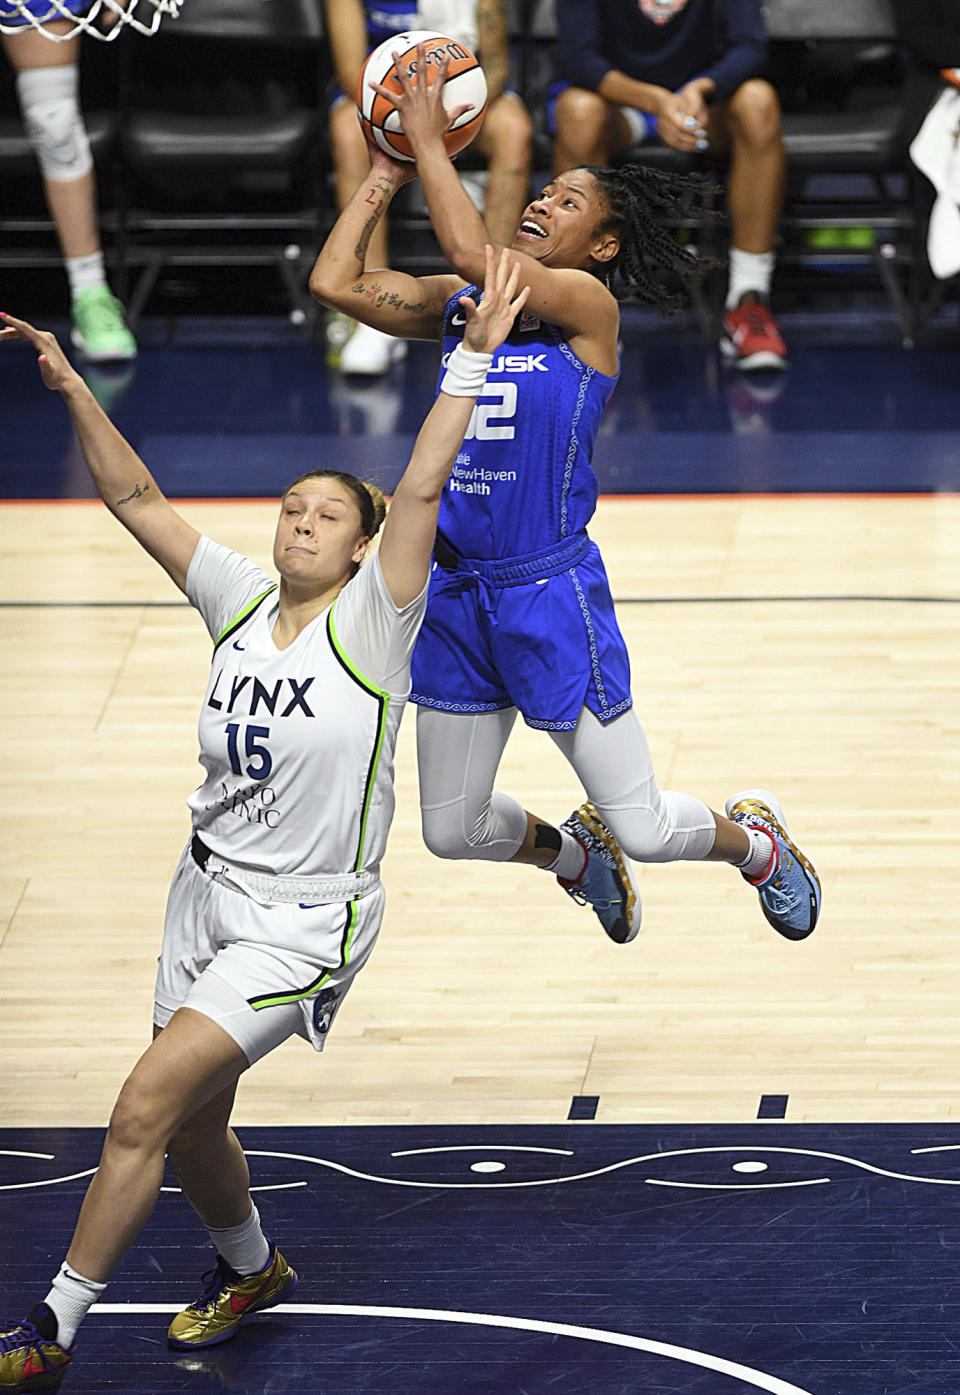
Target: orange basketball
x=465 y=83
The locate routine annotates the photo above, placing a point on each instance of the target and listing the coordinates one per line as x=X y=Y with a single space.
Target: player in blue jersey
x=276 y=902
x=520 y=616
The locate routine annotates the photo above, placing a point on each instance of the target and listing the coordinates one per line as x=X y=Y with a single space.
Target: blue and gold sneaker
x=31 y=1358
x=606 y=882
x=228 y=1298
x=789 y=887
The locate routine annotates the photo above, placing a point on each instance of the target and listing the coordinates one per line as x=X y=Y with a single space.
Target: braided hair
x=650 y=257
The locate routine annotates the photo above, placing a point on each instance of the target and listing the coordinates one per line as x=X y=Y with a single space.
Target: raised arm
x=410 y=307
x=126 y=486
x=566 y=296
x=411 y=523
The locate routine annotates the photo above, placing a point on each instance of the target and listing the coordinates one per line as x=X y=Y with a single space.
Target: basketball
x=465 y=83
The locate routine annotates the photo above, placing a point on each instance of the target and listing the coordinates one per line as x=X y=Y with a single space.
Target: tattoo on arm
x=360 y=251
x=374 y=292
x=138 y=491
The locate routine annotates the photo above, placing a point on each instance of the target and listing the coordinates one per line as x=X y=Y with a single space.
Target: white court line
x=612 y=1167
x=573 y=1177
x=736 y=1186
x=46 y=1181
x=758 y=1379
x=483 y=1148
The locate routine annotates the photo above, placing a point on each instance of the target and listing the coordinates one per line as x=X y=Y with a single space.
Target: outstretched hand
x=420 y=104
x=55 y=368
x=489 y=323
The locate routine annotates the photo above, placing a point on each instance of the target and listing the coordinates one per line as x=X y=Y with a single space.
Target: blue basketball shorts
x=548 y=645
x=643 y=124
x=42 y=10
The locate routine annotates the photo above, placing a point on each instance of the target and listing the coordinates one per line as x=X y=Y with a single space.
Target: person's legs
x=462 y=815
x=506 y=140
x=614 y=765
x=751 y=123
x=590 y=131
x=47 y=87
x=189 y=1063
x=250 y=1272
x=749 y=126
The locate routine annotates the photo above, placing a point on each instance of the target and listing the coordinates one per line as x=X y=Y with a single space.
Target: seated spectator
x=505 y=140
x=685 y=72
x=47 y=85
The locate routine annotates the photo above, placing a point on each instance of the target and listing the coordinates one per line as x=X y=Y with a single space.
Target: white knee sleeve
x=51 y=114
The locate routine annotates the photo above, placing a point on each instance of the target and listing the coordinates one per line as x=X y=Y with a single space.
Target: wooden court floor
x=807 y=644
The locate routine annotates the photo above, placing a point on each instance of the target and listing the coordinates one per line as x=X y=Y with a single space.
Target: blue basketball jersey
x=522 y=480
x=388 y=17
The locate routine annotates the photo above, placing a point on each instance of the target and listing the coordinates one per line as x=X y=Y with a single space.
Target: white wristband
x=466 y=373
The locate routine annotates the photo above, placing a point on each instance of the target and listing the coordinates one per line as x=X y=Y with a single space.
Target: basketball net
x=113 y=14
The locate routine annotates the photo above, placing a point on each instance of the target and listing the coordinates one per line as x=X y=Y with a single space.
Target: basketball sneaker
x=751 y=338
x=789 y=887
x=228 y=1298
x=31 y=1358
x=370 y=353
x=606 y=882
x=98 y=328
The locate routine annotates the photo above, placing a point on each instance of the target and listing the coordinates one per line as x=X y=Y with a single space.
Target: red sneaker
x=751 y=338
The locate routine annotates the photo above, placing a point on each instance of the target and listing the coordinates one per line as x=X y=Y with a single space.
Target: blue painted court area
x=238 y=409
x=615 y=1260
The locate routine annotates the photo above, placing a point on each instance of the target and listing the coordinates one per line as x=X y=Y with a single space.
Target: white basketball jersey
x=298 y=743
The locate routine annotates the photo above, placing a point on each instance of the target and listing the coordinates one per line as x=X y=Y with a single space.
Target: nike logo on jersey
x=241 y=647
x=528 y=323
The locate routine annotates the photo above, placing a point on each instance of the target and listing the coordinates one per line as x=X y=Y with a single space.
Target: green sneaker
x=98 y=328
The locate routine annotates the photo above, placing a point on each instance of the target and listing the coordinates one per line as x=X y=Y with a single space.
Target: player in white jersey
x=276 y=901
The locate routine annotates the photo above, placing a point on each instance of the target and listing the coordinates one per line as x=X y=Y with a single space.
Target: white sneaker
x=370 y=352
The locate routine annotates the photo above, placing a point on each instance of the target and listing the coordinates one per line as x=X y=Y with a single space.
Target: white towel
x=935 y=150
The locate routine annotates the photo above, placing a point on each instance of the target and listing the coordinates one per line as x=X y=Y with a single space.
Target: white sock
x=568 y=862
x=760 y=857
x=85 y=273
x=749 y=271
x=70 y=1298
x=244 y=1247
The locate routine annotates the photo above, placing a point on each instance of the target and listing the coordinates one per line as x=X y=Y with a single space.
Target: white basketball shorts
x=261 y=971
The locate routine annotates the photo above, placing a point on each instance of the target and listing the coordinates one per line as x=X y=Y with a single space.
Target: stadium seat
x=847 y=163
x=220 y=145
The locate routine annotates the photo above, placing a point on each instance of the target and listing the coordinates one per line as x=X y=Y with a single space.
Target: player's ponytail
x=650 y=257
x=379 y=506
